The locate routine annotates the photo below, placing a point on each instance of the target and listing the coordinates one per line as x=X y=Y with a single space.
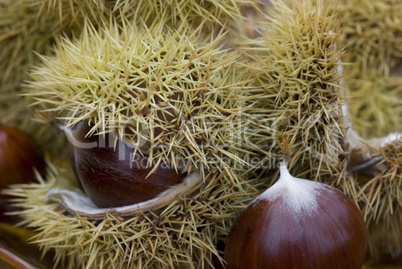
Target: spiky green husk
x=183 y=234
x=371 y=33
x=178 y=99
x=175 y=97
x=171 y=94
x=28 y=27
x=379 y=191
x=245 y=29
x=375 y=103
x=193 y=12
x=297 y=64
x=290 y=105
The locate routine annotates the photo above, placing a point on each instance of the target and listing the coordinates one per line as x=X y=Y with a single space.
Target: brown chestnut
x=298 y=223
x=109 y=173
x=19 y=155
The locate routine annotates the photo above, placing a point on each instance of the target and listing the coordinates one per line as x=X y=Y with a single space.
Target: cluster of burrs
x=172 y=112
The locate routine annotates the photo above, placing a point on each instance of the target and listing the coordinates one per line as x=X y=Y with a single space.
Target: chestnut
x=298 y=223
x=19 y=155
x=112 y=173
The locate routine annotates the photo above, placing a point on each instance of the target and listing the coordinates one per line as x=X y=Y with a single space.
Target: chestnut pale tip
x=300 y=194
x=298 y=223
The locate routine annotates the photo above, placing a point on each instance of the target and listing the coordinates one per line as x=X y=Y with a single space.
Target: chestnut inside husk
x=113 y=174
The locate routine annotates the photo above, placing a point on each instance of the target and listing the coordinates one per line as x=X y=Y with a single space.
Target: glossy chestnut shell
x=19 y=155
x=110 y=175
x=277 y=234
